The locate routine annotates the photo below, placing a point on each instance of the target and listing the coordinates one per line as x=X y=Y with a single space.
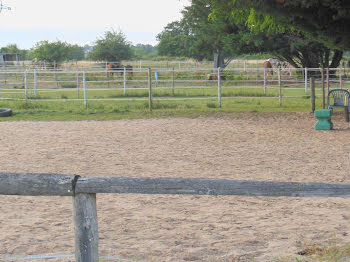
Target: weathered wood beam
x=27 y=184
x=203 y=186
x=85 y=227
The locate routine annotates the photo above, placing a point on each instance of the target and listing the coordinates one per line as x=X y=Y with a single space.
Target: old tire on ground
x=5 y=112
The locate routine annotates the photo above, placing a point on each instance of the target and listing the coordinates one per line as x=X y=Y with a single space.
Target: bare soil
x=271 y=147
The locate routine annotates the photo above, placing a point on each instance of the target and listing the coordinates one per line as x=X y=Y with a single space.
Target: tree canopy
x=326 y=21
x=112 y=47
x=216 y=26
x=57 y=51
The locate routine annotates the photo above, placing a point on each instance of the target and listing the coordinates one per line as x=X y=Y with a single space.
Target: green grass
x=320 y=253
x=111 y=103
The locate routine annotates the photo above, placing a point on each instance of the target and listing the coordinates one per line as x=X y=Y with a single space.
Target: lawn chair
x=339 y=98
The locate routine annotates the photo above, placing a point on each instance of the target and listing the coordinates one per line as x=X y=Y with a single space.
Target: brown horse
x=268 y=67
x=129 y=70
x=119 y=68
x=114 y=68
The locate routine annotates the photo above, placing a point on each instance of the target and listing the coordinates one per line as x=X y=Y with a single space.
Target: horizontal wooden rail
x=84 y=192
x=67 y=185
x=27 y=184
x=203 y=186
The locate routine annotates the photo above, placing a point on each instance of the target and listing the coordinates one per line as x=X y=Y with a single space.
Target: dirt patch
x=271 y=147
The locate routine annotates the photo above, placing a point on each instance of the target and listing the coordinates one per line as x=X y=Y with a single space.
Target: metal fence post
x=219 y=87
x=35 y=84
x=327 y=79
x=85 y=90
x=124 y=81
x=25 y=85
x=78 y=83
x=279 y=86
x=306 y=87
x=150 y=88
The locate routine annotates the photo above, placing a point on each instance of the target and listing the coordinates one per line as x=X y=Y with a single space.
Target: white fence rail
x=37 y=85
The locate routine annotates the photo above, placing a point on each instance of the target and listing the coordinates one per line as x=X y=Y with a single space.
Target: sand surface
x=271 y=147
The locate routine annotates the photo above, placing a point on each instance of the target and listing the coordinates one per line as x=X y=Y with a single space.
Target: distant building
x=9 y=58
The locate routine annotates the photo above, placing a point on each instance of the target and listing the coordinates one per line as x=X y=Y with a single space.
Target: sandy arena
x=271 y=147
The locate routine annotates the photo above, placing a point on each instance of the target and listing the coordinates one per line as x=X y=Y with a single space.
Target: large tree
x=112 y=47
x=198 y=36
x=326 y=21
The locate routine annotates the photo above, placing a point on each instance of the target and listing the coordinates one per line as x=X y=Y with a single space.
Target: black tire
x=5 y=112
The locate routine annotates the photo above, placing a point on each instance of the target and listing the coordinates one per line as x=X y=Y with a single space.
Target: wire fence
x=165 y=84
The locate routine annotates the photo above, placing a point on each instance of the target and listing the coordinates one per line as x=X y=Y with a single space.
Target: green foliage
x=324 y=21
x=13 y=48
x=56 y=51
x=195 y=35
x=269 y=35
x=146 y=52
x=112 y=47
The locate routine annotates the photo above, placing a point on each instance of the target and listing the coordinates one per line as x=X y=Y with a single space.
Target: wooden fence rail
x=84 y=189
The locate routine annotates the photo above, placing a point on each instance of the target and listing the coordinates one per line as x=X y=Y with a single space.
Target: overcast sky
x=82 y=21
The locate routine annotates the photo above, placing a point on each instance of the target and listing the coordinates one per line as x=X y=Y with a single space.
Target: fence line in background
x=84 y=190
x=167 y=78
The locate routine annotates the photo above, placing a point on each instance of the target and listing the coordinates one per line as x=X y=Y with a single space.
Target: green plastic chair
x=339 y=98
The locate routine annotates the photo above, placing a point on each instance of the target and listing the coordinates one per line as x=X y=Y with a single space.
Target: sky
x=83 y=21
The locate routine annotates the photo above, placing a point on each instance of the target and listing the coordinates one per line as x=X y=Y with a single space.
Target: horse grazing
x=114 y=68
x=214 y=76
x=268 y=67
x=119 y=68
x=129 y=70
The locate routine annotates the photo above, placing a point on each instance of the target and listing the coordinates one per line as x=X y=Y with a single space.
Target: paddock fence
x=84 y=190
x=166 y=84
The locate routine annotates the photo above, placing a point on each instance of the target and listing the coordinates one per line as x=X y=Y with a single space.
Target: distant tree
x=198 y=36
x=75 y=52
x=13 y=48
x=112 y=47
x=142 y=51
x=176 y=40
x=51 y=51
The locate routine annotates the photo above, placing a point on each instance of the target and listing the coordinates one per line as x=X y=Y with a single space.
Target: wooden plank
x=36 y=184
x=85 y=227
x=202 y=186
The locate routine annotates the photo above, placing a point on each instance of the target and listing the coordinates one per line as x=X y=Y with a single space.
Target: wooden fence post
x=312 y=93
x=219 y=87
x=265 y=81
x=173 y=84
x=150 y=88
x=85 y=227
x=327 y=79
x=323 y=89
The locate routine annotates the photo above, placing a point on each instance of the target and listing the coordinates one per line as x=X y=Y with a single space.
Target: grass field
x=60 y=95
